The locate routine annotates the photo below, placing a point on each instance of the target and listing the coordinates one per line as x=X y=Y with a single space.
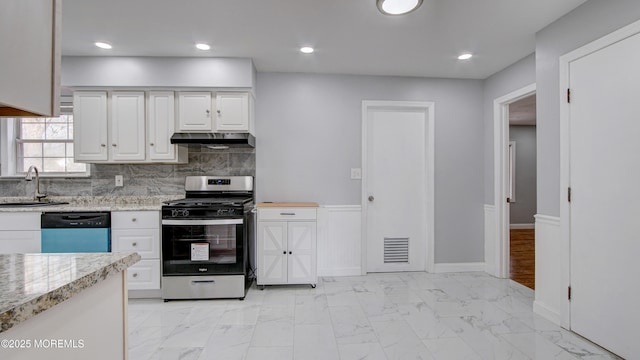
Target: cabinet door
x=272 y=258
x=161 y=125
x=301 y=238
x=19 y=242
x=145 y=242
x=90 y=126
x=144 y=275
x=194 y=111
x=127 y=126
x=232 y=111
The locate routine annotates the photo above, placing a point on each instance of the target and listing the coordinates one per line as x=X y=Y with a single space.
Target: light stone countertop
x=91 y=203
x=33 y=283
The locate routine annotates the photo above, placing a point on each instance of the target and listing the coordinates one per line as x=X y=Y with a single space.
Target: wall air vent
x=396 y=250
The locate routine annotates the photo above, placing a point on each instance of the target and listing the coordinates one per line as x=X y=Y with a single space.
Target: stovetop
x=209 y=201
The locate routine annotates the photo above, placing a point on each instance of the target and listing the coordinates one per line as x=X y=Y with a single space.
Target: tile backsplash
x=147 y=179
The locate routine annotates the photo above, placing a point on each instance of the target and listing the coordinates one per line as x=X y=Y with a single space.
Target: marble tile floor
x=412 y=315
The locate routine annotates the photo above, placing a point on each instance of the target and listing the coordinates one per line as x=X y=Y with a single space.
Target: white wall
x=524 y=208
x=113 y=71
x=586 y=23
x=514 y=77
x=309 y=136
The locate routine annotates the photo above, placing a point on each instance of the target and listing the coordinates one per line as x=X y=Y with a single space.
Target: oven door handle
x=204 y=222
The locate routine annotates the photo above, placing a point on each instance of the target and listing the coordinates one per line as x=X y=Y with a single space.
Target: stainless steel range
x=206 y=238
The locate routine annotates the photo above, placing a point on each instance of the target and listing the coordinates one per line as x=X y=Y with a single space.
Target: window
x=46 y=143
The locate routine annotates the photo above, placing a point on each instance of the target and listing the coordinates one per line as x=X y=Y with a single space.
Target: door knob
x=370 y=197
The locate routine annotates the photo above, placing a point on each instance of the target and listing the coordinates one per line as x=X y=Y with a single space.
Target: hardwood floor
x=522 y=256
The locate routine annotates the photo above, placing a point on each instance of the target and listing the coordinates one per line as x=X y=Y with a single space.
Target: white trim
x=500 y=176
x=512 y=171
x=459 y=267
x=339 y=240
x=522 y=226
x=546 y=312
x=565 y=131
x=546 y=219
x=490 y=239
x=429 y=107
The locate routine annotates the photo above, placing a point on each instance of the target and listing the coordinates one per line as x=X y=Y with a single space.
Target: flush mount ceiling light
x=103 y=45
x=397 y=7
x=465 y=56
x=203 y=46
x=306 y=50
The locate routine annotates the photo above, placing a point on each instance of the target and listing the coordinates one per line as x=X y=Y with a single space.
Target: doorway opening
x=522 y=190
x=498 y=250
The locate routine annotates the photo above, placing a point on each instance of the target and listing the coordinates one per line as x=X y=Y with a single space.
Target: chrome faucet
x=36 y=193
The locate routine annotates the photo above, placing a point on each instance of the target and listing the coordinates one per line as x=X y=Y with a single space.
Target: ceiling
x=350 y=36
x=523 y=111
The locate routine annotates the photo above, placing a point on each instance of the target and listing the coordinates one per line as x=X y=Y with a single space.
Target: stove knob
x=186 y=213
x=174 y=213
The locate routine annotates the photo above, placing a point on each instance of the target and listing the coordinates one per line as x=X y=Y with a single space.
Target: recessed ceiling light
x=103 y=45
x=397 y=7
x=306 y=50
x=466 y=56
x=203 y=46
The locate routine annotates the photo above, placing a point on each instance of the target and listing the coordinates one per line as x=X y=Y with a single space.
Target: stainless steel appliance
x=206 y=237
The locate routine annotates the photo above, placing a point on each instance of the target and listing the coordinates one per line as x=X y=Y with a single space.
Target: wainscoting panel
x=339 y=240
x=550 y=296
x=490 y=240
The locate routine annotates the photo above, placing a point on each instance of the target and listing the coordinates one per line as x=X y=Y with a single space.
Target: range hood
x=214 y=139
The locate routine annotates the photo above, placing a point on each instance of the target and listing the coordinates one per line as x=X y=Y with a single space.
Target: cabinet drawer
x=135 y=220
x=20 y=221
x=145 y=242
x=287 y=214
x=145 y=275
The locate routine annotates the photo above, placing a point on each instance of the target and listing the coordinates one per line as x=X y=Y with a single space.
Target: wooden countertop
x=287 y=204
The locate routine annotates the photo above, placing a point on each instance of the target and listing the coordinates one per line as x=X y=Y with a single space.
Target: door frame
x=429 y=109
x=501 y=190
x=565 y=156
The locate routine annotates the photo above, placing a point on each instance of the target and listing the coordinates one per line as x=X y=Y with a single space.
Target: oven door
x=203 y=246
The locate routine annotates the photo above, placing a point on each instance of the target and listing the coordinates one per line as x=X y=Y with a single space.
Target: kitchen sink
x=32 y=204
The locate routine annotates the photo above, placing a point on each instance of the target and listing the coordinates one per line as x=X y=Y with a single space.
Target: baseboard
x=352 y=271
x=459 y=267
x=522 y=226
x=546 y=312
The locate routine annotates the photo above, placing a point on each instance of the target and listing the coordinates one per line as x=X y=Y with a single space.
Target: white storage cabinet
x=20 y=232
x=286 y=246
x=138 y=231
x=194 y=111
x=233 y=111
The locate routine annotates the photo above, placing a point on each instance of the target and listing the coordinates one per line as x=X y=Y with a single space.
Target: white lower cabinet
x=138 y=231
x=286 y=246
x=20 y=232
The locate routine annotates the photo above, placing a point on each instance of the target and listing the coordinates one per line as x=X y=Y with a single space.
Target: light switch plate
x=356 y=173
x=119 y=181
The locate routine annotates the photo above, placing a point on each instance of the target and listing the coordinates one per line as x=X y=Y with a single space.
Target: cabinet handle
x=114 y=145
x=135 y=275
x=287 y=213
x=134 y=244
x=208 y=112
x=289 y=252
x=218 y=112
x=150 y=144
x=284 y=253
x=103 y=145
x=134 y=219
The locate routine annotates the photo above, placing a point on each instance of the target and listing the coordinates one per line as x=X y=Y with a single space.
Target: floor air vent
x=396 y=250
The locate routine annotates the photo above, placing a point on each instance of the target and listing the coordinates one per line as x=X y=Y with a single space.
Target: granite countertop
x=91 y=203
x=33 y=283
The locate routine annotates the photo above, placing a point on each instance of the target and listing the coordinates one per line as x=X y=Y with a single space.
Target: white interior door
x=605 y=196
x=396 y=187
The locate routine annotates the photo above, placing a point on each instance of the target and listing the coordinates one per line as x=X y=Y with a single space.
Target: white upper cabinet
x=30 y=71
x=122 y=133
x=90 y=126
x=232 y=111
x=194 y=111
x=127 y=126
